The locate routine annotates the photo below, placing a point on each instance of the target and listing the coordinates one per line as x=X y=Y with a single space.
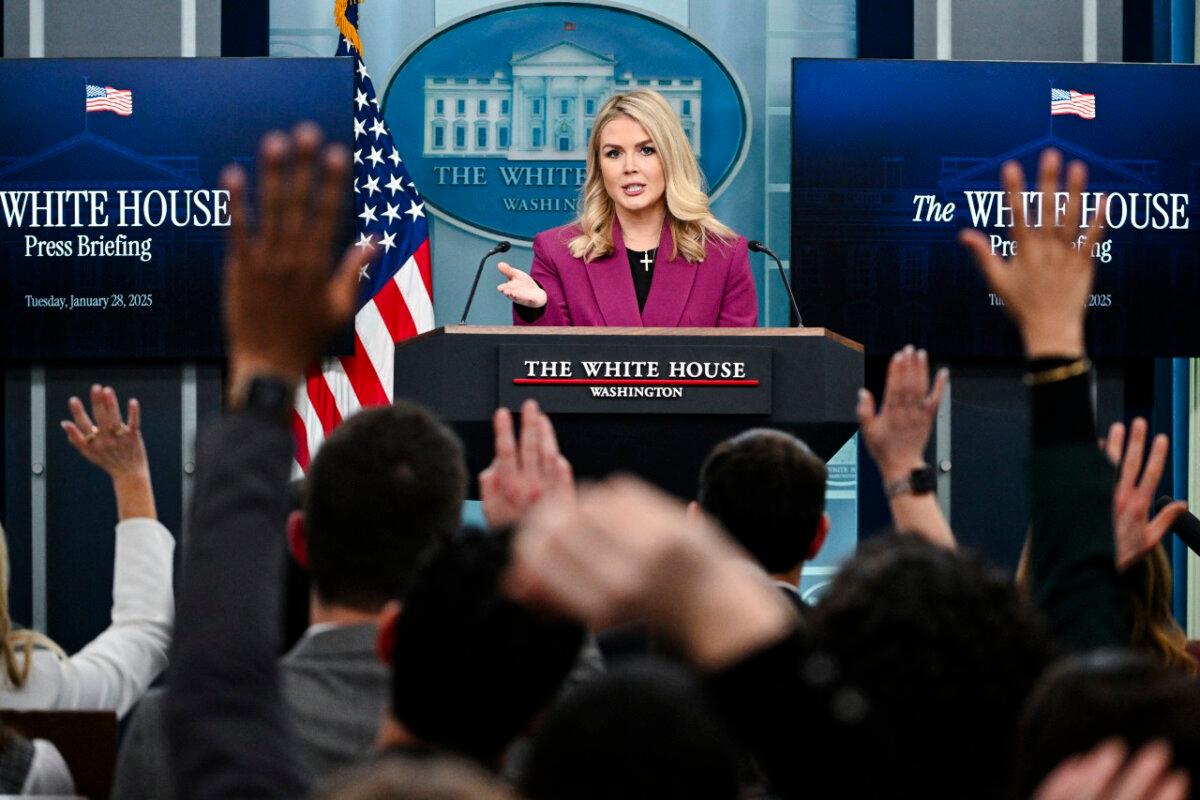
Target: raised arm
x=116 y=668
x=520 y=475
x=1137 y=531
x=897 y=435
x=228 y=733
x=1045 y=289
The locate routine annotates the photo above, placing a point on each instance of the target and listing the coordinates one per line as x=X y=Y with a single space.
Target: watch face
x=924 y=480
x=269 y=395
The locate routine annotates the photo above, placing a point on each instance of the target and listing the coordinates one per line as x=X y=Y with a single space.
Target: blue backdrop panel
x=122 y=272
x=875 y=263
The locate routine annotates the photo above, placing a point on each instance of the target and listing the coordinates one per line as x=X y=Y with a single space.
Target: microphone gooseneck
x=759 y=247
x=1187 y=527
x=501 y=247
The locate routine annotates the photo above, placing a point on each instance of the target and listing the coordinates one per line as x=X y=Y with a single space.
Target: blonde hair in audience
x=12 y=641
x=688 y=214
x=1148 y=584
x=1154 y=627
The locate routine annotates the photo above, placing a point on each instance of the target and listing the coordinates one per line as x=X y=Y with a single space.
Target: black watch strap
x=922 y=480
x=270 y=398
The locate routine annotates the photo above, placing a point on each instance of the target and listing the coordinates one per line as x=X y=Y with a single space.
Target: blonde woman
x=645 y=250
x=115 y=668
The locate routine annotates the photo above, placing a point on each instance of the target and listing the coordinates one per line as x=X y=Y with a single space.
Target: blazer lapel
x=670 y=287
x=612 y=285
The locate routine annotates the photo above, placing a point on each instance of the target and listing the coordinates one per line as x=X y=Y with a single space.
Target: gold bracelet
x=1056 y=374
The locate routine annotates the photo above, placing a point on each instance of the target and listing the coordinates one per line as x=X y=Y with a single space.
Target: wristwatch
x=269 y=397
x=922 y=480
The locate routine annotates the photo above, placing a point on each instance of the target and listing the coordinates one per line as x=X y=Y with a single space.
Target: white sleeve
x=114 y=670
x=48 y=774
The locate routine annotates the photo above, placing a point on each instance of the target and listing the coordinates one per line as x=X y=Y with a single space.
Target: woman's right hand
x=116 y=447
x=520 y=288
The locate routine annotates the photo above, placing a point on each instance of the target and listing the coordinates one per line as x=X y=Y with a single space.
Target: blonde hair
x=1147 y=583
x=686 y=197
x=21 y=640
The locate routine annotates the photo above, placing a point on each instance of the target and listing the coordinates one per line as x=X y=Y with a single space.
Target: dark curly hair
x=944 y=652
x=1083 y=700
x=472 y=668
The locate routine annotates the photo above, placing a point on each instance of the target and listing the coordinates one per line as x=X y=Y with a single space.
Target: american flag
x=396 y=291
x=1063 y=101
x=106 y=98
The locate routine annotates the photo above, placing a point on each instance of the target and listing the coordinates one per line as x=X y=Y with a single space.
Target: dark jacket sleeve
x=1072 y=560
x=227 y=730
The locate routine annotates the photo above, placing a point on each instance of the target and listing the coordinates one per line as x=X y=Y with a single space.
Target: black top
x=641 y=265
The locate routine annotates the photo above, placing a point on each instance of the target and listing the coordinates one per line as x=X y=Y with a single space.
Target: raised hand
x=520 y=288
x=1045 y=286
x=283 y=297
x=897 y=434
x=519 y=476
x=1135 y=531
x=1108 y=772
x=627 y=552
x=115 y=446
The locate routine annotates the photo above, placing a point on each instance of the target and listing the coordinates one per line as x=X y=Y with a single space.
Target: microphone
x=1187 y=527
x=501 y=247
x=759 y=247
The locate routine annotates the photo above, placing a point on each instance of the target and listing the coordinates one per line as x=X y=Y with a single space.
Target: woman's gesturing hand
x=520 y=288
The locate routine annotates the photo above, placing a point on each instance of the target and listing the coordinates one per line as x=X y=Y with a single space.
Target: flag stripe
x=362 y=376
x=339 y=387
x=298 y=434
x=322 y=401
x=378 y=351
x=419 y=303
x=423 y=263
x=394 y=312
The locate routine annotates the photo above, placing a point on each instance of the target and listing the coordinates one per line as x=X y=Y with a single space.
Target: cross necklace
x=648 y=259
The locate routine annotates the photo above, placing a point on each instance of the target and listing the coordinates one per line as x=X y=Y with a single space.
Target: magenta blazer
x=717 y=292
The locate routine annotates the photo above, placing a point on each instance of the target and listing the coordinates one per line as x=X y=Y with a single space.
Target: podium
x=651 y=401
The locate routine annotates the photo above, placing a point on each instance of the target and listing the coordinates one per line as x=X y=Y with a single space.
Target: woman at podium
x=645 y=249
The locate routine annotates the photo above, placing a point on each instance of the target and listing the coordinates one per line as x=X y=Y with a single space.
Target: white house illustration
x=544 y=110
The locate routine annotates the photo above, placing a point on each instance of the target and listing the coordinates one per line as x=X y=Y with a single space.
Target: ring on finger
x=122 y=430
x=92 y=434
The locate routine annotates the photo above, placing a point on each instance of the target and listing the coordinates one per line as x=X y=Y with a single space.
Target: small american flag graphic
x=1069 y=101
x=106 y=98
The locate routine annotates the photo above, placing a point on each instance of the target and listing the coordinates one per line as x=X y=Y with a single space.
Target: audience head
x=386 y=484
x=471 y=669
x=1084 y=700
x=767 y=488
x=943 y=650
x=414 y=778
x=642 y=731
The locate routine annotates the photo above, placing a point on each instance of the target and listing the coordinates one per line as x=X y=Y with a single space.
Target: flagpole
x=85 y=111
x=1051 y=82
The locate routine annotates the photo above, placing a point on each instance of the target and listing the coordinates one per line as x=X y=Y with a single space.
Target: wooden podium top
x=527 y=330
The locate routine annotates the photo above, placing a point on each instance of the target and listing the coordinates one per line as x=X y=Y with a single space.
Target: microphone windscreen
x=1187 y=527
x=755 y=245
x=503 y=246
